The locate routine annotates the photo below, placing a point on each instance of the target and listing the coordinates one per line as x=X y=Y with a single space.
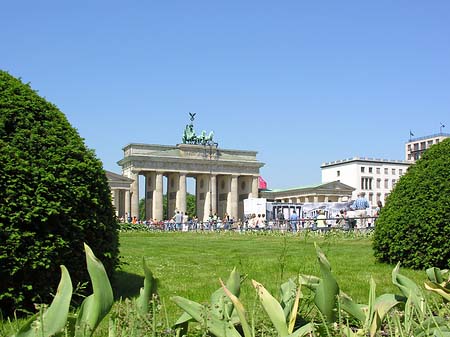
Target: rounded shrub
x=414 y=226
x=54 y=196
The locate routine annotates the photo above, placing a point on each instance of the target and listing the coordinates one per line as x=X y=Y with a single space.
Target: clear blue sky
x=301 y=82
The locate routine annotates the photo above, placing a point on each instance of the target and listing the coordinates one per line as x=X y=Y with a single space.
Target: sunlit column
x=234 y=197
x=254 y=193
x=181 y=193
x=158 y=197
x=213 y=196
x=135 y=195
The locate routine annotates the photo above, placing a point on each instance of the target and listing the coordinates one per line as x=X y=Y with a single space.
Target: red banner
x=262 y=184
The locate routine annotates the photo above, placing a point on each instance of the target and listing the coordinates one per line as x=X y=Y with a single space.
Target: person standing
x=360 y=207
x=293 y=219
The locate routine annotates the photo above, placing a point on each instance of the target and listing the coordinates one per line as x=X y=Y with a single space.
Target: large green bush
x=414 y=226
x=54 y=196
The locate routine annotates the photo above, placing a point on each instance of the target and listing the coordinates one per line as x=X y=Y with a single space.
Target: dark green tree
x=54 y=196
x=191 y=208
x=414 y=225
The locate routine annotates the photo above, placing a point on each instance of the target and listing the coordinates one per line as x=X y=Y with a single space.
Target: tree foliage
x=414 y=226
x=54 y=196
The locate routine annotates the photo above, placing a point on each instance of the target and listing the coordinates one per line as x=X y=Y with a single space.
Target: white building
x=375 y=177
x=416 y=146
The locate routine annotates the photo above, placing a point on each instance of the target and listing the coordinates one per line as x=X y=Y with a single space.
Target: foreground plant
x=53 y=320
x=219 y=316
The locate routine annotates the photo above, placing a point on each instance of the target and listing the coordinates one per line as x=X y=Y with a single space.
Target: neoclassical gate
x=223 y=178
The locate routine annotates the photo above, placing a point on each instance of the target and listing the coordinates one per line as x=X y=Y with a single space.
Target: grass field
x=190 y=264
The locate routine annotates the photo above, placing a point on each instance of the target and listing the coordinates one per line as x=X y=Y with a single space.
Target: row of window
x=378 y=170
x=423 y=145
x=378 y=197
x=366 y=183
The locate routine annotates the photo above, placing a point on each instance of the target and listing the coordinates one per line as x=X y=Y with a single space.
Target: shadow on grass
x=126 y=285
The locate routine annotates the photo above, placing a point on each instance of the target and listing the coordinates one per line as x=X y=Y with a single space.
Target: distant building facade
x=334 y=191
x=120 y=191
x=416 y=146
x=375 y=177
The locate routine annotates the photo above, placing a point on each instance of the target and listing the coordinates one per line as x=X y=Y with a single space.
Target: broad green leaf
x=409 y=289
x=352 y=308
x=327 y=291
x=434 y=275
x=438 y=289
x=194 y=309
x=220 y=328
x=147 y=291
x=54 y=318
x=305 y=330
x=240 y=311
x=293 y=315
x=386 y=302
x=220 y=304
x=96 y=306
x=272 y=308
x=370 y=308
x=288 y=291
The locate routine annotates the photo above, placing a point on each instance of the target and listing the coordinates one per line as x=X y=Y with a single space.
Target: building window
x=366 y=183
x=393 y=171
x=378 y=170
x=370 y=197
x=362 y=169
x=378 y=183
x=430 y=142
x=386 y=170
x=393 y=182
x=370 y=170
x=400 y=171
x=338 y=173
x=386 y=183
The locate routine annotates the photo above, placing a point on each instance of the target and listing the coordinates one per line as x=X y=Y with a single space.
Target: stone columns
x=127 y=204
x=116 y=201
x=233 y=197
x=135 y=195
x=172 y=192
x=213 y=196
x=181 y=193
x=254 y=192
x=149 y=191
x=158 y=197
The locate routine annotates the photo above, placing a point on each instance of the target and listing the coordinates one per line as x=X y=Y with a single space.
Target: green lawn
x=190 y=264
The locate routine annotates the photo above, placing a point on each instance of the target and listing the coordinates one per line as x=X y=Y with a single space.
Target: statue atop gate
x=189 y=136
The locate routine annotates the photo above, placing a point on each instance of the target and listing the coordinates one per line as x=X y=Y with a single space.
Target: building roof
x=114 y=177
x=366 y=160
x=325 y=188
x=436 y=135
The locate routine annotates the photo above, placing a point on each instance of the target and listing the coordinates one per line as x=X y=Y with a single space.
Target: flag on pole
x=262 y=184
x=411 y=134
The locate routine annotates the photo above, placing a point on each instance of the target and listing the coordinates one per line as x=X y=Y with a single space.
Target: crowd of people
x=355 y=218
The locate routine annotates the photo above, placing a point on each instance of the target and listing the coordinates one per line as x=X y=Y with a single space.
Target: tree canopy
x=414 y=225
x=54 y=196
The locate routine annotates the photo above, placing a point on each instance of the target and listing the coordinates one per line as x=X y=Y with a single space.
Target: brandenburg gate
x=223 y=178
